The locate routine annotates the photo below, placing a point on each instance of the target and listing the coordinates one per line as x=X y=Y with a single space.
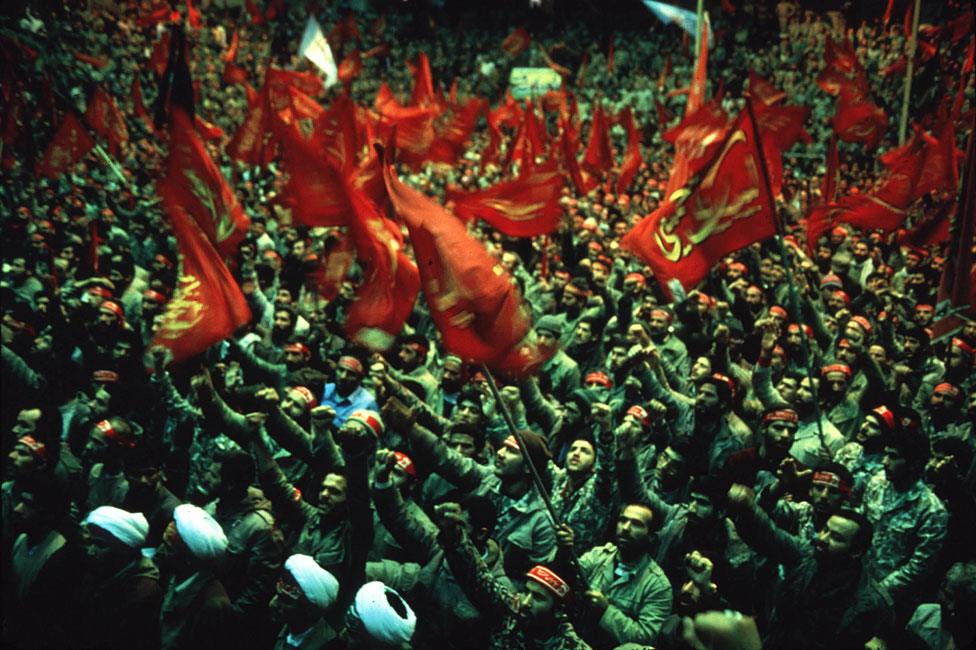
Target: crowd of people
x=783 y=457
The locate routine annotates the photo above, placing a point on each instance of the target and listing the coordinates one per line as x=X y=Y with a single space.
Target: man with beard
x=945 y=415
x=254 y=545
x=560 y=373
x=534 y=618
x=305 y=592
x=909 y=520
x=627 y=596
x=826 y=598
x=347 y=394
x=147 y=494
x=109 y=442
x=809 y=448
x=586 y=349
x=916 y=369
x=959 y=370
x=453 y=377
x=122 y=592
x=33 y=457
x=948 y=623
x=411 y=364
x=757 y=466
x=672 y=349
x=863 y=456
x=583 y=491
x=196 y=610
x=572 y=308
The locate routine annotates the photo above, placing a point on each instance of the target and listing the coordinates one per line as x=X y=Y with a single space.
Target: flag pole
x=788 y=267
x=699 y=14
x=111 y=164
x=909 y=73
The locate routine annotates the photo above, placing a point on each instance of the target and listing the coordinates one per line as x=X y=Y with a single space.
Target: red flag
x=599 y=154
x=829 y=189
x=343 y=32
x=413 y=126
x=253 y=137
x=332 y=272
x=195 y=183
x=842 y=69
x=231 y=52
x=257 y=17
x=157 y=15
x=105 y=119
x=193 y=15
x=139 y=107
x=764 y=92
x=859 y=120
x=208 y=130
x=70 y=144
x=696 y=140
x=932 y=229
x=632 y=158
x=423 y=85
x=207 y=305
x=722 y=210
x=782 y=126
x=234 y=74
x=535 y=133
x=696 y=91
x=472 y=299
x=452 y=134
x=160 y=55
x=523 y=207
x=389 y=289
x=583 y=182
x=887 y=12
x=516 y=42
x=957 y=286
x=381 y=50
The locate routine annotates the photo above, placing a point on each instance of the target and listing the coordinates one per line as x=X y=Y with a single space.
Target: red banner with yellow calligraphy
x=523 y=207
x=724 y=208
x=207 y=305
x=194 y=182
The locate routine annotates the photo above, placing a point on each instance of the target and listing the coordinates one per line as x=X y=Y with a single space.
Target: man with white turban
x=379 y=618
x=196 y=612
x=304 y=594
x=122 y=594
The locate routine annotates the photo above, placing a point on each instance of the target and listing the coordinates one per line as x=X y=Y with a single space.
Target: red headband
x=165 y=261
x=576 y=291
x=831 y=479
x=779 y=311
x=725 y=380
x=511 y=443
x=549 y=580
x=640 y=413
x=351 y=363
x=419 y=348
x=598 y=378
x=301 y=348
x=924 y=307
x=842 y=295
x=863 y=322
x=153 y=295
x=105 y=376
x=836 y=367
x=102 y=292
x=114 y=308
x=125 y=440
x=636 y=277
x=962 y=345
x=307 y=396
x=663 y=313
x=403 y=462
x=945 y=388
x=781 y=415
x=884 y=414
x=35 y=446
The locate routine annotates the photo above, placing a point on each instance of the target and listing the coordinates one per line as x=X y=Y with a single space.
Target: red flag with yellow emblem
x=516 y=42
x=195 y=184
x=472 y=299
x=721 y=209
x=523 y=207
x=207 y=305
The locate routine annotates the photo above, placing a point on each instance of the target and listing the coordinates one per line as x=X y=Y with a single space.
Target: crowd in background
x=728 y=470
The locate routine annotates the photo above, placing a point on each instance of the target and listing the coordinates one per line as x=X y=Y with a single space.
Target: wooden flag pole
x=788 y=267
x=909 y=73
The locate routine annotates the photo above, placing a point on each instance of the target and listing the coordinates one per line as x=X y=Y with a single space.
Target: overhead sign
x=533 y=82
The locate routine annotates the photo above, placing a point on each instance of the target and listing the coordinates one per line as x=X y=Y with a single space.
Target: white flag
x=316 y=49
x=684 y=18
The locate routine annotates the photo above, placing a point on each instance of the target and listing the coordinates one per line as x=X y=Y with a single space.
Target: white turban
x=318 y=585
x=130 y=528
x=381 y=620
x=200 y=532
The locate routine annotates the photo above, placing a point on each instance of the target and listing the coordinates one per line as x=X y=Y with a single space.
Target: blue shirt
x=346 y=406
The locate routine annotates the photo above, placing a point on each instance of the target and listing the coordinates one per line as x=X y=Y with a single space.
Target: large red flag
x=722 y=210
x=195 y=183
x=583 y=182
x=857 y=119
x=599 y=154
x=105 y=119
x=70 y=144
x=472 y=299
x=763 y=91
x=523 y=207
x=696 y=140
x=207 y=306
x=423 y=85
x=350 y=67
x=453 y=131
x=632 y=158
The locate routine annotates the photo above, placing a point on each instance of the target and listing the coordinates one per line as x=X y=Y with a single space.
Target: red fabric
x=841 y=69
x=857 y=119
x=391 y=281
x=193 y=15
x=257 y=17
x=535 y=133
x=70 y=144
x=231 y=52
x=253 y=142
x=932 y=229
x=829 y=189
x=106 y=120
x=583 y=182
x=598 y=158
x=207 y=305
x=472 y=299
x=99 y=62
x=329 y=275
x=722 y=210
x=424 y=95
x=234 y=74
x=452 y=133
x=696 y=140
x=887 y=12
x=696 y=91
x=208 y=130
x=315 y=192
x=662 y=78
x=194 y=182
x=139 y=106
x=350 y=67
x=632 y=158
x=610 y=56
x=517 y=42
x=157 y=15
x=763 y=91
x=524 y=207
x=411 y=126
x=383 y=49
x=160 y=55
